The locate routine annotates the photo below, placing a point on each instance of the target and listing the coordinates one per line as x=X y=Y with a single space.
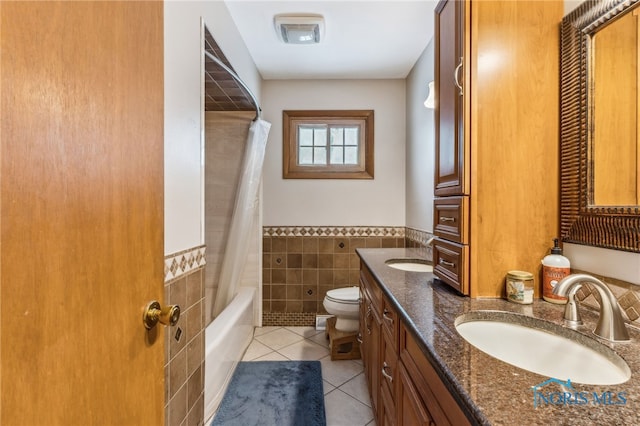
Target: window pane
x=305 y=156
x=319 y=155
x=351 y=155
x=320 y=137
x=351 y=135
x=337 y=155
x=337 y=136
x=305 y=136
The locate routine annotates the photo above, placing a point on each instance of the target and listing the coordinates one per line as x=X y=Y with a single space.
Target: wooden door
x=451 y=176
x=81 y=183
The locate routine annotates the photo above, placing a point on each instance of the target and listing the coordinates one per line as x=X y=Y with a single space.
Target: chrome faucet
x=610 y=324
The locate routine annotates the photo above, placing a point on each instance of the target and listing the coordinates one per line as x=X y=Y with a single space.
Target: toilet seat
x=347 y=295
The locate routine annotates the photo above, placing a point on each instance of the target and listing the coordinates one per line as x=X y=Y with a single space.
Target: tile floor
x=345 y=394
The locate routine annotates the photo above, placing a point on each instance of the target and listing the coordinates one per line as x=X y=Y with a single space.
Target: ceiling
x=362 y=40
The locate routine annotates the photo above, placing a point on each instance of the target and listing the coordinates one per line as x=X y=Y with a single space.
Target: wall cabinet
x=405 y=389
x=496 y=121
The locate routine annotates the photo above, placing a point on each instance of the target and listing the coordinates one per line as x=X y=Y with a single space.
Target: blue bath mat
x=282 y=393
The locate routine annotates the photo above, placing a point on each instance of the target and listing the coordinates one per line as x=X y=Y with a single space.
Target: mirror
x=614 y=112
x=600 y=130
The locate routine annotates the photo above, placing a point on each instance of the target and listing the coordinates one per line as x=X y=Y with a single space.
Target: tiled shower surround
x=300 y=264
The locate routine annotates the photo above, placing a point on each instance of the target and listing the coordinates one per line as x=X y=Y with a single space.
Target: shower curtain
x=242 y=221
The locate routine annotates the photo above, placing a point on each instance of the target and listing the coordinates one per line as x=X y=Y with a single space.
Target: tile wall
x=627 y=294
x=184 y=346
x=300 y=264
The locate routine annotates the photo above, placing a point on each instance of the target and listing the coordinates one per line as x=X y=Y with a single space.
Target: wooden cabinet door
x=375 y=361
x=450 y=170
x=81 y=211
x=411 y=410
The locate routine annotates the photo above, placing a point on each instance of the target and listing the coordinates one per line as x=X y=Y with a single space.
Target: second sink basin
x=411 y=265
x=542 y=347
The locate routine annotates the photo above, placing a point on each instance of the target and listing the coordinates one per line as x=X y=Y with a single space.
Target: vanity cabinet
x=405 y=389
x=370 y=332
x=496 y=141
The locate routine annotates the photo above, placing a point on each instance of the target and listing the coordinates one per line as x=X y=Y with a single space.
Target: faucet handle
x=572 y=316
x=610 y=325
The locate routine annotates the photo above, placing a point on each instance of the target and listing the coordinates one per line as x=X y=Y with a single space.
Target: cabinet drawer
x=390 y=323
x=372 y=289
x=451 y=264
x=450 y=216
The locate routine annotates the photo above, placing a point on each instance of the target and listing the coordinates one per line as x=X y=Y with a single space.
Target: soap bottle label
x=550 y=277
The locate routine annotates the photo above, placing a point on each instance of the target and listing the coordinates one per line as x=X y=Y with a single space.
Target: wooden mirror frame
x=613 y=227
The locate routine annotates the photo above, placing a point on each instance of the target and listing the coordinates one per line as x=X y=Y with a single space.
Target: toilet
x=344 y=303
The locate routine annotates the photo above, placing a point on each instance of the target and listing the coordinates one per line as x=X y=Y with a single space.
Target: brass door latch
x=154 y=313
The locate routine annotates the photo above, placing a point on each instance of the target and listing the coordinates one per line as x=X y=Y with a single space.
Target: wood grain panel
x=514 y=117
x=81 y=212
x=614 y=143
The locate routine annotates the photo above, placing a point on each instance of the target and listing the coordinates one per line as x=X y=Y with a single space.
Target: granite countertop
x=489 y=390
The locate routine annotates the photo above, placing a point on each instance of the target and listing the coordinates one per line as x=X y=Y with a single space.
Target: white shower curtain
x=242 y=221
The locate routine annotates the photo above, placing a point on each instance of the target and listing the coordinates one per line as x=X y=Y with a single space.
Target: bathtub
x=226 y=340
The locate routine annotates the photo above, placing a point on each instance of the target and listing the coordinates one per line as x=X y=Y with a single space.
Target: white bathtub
x=226 y=340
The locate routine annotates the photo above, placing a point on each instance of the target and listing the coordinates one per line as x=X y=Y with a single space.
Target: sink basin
x=543 y=347
x=411 y=265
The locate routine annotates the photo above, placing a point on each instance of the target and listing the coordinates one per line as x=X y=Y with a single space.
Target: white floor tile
x=256 y=350
x=279 y=338
x=339 y=372
x=343 y=410
x=327 y=387
x=346 y=396
x=304 y=350
x=272 y=356
x=357 y=388
x=321 y=339
x=263 y=330
x=305 y=332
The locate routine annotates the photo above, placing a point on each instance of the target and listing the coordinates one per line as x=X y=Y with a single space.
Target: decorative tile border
x=183 y=262
x=418 y=236
x=627 y=294
x=334 y=231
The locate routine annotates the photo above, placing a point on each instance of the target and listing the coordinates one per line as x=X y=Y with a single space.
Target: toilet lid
x=348 y=295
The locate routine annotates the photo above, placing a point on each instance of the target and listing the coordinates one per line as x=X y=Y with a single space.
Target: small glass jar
x=519 y=287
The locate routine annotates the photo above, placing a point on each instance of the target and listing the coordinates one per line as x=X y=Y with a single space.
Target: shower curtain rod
x=239 y=80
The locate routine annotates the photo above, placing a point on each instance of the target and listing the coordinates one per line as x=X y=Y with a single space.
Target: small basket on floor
x=343 y=344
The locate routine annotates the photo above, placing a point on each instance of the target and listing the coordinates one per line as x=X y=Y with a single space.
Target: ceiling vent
x=299 y=29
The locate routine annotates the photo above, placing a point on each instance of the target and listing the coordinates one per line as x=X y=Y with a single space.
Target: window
x=328 y=144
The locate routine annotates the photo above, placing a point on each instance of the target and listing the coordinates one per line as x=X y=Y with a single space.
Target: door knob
x=154 y=313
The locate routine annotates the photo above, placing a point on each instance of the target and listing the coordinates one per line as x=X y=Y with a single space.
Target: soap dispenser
x=554 y=268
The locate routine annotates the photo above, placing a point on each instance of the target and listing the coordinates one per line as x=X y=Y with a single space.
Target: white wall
x=184 y=126
x=337 y=202
x=420 y=144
